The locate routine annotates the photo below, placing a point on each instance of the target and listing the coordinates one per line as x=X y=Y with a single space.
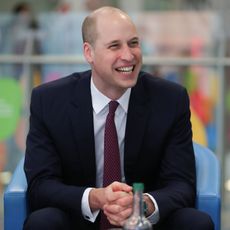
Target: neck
x=113 y=93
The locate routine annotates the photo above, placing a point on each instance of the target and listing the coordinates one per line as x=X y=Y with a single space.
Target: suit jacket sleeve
x=49 y=148
x=159 y=150
x=176 y=186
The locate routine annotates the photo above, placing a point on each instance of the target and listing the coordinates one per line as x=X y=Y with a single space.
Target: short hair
x=89 y=33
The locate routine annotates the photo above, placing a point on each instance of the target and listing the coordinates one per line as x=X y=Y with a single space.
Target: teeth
x=125 y=69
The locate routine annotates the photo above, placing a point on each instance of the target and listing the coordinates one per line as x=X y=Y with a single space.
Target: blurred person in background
x=20 y=37
x=27 y=38
x=64 y=162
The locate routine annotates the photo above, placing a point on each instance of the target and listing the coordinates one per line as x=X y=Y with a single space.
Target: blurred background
x=185 y=41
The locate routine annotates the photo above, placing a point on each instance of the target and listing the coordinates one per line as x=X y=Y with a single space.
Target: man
x=65 y=146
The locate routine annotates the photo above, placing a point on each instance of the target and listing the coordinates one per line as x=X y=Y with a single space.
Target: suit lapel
x=82 y=124
x=136 y=124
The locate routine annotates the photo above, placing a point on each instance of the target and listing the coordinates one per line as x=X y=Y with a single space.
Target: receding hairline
x=108 y=9
x=89 y=33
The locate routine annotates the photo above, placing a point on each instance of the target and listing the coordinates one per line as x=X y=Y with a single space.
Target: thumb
x=118 y=186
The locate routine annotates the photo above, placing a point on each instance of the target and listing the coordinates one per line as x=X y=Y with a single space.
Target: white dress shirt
x=100 y=111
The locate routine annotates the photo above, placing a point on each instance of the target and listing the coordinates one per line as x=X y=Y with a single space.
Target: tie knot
x=113 y=106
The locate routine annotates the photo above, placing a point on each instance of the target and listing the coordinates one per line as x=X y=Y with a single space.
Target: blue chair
x=208 y=183
x=208 y=190
x=15 y=205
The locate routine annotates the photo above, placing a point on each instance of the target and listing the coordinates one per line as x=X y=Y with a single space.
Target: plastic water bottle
x=137 y=221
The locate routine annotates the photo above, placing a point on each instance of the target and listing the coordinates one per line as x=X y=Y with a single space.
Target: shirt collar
x=99 y=100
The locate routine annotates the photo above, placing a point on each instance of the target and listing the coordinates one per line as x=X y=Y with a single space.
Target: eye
x=114 y=46
x=134 y=43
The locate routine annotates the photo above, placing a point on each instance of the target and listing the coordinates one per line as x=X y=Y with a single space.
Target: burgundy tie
x=112 y=167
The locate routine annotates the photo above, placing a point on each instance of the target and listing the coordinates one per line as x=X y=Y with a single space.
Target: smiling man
x=112 y=47
x=93 y=134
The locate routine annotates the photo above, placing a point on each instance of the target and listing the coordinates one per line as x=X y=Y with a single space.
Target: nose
x=126 y=53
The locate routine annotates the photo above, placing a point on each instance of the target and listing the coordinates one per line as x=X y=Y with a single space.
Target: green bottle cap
x=138 y=186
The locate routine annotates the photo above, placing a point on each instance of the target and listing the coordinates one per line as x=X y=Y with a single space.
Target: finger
x=113 y=196
x=125 y=201
x=116 y=210
x=120 y=217
x=118 y=186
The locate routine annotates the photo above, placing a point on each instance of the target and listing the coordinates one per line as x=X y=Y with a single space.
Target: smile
x=128 y=69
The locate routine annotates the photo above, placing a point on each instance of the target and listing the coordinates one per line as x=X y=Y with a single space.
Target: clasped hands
x=116 y=201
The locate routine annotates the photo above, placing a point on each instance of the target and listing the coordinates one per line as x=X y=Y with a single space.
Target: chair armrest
x=15 y=205
x=208 y=183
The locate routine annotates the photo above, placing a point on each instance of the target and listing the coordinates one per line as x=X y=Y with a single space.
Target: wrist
x=145 y=207
x=94 y=199
x=149 y=207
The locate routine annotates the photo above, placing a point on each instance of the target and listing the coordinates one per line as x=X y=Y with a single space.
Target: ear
x=88 y=52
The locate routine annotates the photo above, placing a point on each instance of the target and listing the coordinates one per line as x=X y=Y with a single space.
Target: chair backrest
x=15 y=205
x=208 y=183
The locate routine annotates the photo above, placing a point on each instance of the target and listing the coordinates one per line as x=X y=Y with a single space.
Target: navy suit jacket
x=60 y=154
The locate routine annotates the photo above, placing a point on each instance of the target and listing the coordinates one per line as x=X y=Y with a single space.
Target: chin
x=130 y=83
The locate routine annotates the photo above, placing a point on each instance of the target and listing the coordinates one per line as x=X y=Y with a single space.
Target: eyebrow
x=117 y=41
x=134 y=38
x=113 y=42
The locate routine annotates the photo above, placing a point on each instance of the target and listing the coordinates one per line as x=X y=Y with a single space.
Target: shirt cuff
x=85 y=208
x=155 y=216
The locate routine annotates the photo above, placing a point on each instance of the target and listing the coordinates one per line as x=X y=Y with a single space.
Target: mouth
x=126 y=69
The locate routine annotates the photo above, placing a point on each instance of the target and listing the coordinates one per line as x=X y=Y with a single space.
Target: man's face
x=116 y=56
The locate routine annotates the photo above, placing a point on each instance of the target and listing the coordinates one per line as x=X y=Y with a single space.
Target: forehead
x=115 y=27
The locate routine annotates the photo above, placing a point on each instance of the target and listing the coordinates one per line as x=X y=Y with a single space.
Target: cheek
x=105 y=58
x=138 y=53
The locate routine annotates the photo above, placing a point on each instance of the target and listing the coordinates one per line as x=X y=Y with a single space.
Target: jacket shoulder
x=63 y=83
x=159 y=87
